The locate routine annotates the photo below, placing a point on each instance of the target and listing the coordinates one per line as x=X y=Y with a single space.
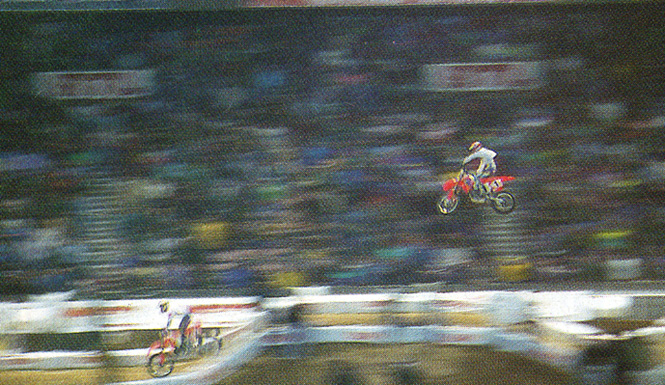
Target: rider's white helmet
x=475 y=146
x=163 y=306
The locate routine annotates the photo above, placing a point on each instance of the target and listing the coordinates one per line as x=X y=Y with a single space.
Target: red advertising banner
x=482 y=76
x=94 y=84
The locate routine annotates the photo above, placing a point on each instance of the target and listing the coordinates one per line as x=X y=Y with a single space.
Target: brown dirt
x=372 y=364
x=83 y=376
x=375 y=365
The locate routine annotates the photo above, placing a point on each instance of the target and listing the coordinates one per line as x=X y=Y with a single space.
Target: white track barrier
x=492 y=337
x=143 y=314
x=243 y=318
x=498 y=307
x=234 y=339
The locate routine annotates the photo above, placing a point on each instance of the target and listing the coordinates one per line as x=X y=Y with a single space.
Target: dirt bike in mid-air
x=164 y=352
x=462 y=186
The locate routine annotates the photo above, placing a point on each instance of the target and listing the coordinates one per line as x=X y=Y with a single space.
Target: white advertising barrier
x=457 y=335
x=234 y=339
x=577 y=306
x=320 y=302
x=462 y=301
x=548 y=309
x=51 y=360
x=452 y=335
x=144 y=314
x=499 y=307
x=384 y=302
x=507 y=308
x=344 y=303
x=569 y=306
x=610 y=305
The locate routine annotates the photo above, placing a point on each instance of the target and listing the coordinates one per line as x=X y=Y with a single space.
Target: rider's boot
x=478 y=187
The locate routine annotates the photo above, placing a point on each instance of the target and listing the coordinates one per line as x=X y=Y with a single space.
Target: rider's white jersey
x=486 y=157
x=177 y=312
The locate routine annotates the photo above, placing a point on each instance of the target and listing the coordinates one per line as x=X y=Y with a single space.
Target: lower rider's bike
x=164 y=352
x=462 y=187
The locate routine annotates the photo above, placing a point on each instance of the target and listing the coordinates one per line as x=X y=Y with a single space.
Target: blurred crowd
x=285 y=148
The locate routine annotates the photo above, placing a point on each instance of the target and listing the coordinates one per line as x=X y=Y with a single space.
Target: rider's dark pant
x=184 y=323
x=484 y=174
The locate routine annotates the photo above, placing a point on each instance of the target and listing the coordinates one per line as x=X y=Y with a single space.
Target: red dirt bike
x=164 y=352
x=462 y=186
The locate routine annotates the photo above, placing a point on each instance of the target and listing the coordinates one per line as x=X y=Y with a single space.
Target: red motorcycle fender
x=156 y=347
x=449 y=184
x=167 y=346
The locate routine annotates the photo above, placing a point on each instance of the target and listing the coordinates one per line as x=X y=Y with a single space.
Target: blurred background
x=253 y=149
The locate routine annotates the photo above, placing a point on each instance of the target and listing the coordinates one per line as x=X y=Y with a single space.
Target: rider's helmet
x=163 y=306
x=475 y=146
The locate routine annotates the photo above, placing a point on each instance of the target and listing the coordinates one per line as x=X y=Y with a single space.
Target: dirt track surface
x=371 y=364
x=83 y=376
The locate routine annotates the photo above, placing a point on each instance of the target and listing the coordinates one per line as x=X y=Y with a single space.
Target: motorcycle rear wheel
x=503 y=202
x=446 y=205
x=160 y=365
x=210 y=347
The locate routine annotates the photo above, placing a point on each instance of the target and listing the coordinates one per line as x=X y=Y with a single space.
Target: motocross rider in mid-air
x=487 y=165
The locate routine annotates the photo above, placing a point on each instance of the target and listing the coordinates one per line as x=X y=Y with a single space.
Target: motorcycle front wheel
x=446 y=205
x=503 y=202
x=160 y=365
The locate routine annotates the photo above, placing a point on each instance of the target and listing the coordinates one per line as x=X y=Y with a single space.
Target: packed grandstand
x=225 y=154
x=269 y=148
